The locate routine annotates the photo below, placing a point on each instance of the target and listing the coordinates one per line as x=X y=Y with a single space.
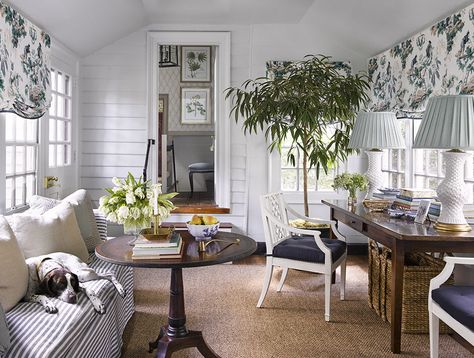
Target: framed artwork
x=422 y=211
x=195 y=64
x=195 y=107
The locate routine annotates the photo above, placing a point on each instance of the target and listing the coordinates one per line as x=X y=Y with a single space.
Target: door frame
x=220 y=39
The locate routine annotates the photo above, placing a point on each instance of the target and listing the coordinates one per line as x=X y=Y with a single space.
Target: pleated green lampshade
x=376 y=130
x=448 y=123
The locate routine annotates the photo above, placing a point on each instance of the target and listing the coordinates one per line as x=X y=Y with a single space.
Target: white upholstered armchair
x=301 y=249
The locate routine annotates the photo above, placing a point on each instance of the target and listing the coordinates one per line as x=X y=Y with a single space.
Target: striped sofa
x=76 y=330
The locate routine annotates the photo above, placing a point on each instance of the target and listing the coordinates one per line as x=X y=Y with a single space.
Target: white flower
x=123 y=212
x=113 y=200
x=112 y=217
x=116 y=181
x=135 y=213
x=104 y=210
x=117 y=189
x=146 y=211
x=139 y=192
x=130 y=198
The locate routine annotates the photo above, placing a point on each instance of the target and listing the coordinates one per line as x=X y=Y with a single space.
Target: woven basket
x=374 y=271
x=418 y=271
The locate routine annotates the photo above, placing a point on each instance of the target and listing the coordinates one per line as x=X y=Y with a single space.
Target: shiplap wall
x=114 y=125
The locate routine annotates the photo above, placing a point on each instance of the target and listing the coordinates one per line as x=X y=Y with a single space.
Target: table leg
x=398 y=262
x=175 y=336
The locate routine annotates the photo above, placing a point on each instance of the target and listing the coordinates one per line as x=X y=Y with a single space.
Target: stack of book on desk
x=409 y=199
x=171 y=248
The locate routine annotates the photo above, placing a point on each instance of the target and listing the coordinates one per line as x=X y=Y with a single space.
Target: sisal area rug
x=220 y=301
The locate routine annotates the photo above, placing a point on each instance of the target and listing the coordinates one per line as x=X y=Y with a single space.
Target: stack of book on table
x=170 y=248
x=409 y=199
x=435 y=209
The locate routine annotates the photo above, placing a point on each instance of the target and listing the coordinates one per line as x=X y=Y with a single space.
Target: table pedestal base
x=175 y=336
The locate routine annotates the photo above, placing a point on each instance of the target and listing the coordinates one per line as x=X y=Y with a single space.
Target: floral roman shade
x=276 y=69
x=24 y=65
x=436 y=61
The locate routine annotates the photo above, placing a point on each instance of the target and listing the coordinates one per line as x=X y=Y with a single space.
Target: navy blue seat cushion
x=458 y=301
x=304 y=248
x=201 y=167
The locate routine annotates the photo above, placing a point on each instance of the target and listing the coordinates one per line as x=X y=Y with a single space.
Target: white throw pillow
x=83 y=208
x=55 y=230
x=13 y=269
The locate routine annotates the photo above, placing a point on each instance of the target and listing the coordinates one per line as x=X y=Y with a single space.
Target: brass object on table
x=157 y=232
x=203 y=244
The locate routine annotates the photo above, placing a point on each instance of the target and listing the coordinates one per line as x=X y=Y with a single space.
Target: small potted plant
x=351 y=182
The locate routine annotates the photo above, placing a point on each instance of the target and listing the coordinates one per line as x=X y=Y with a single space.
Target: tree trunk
x=305 y=183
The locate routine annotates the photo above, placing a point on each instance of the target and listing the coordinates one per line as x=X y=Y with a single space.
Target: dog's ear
x=74 y=282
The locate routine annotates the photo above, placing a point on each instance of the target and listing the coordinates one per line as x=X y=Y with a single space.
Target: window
x=420 y=168
x=21 y=158
x=60 y=147
x=292 y=176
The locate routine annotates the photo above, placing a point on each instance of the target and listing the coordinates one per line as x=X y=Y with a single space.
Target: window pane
x=402 y=160
x=311 y=180
x=288 y=179
x=60 y=131
x=67 y=84
x=60 y=102
x=20 y=129
x=68 y=159
x=10 y=128
x=20 y=160
x=31 y=130
x=9 y=193
x=30 y=158
x=60 y=83
x=395 y=159
x=432 y=161
x=52 y=155
x=30 y=186
x=53 y=80
x=20 y=192
x=52 y=130
x=67 y=131
x=10 y=169
x=52 y=108
x=60 y=155
x=67 y=108
x=326 y=181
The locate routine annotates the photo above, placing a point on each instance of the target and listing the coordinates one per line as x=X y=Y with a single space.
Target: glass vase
x=133 y=231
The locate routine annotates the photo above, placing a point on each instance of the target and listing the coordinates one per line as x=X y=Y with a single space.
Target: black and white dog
x=61 y=275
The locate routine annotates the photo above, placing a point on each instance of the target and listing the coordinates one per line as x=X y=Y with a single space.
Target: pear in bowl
x=203 y=227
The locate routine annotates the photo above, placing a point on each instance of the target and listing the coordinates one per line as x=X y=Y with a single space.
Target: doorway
x=193 y=152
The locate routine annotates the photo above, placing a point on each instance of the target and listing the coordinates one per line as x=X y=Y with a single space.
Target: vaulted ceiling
x=369 y=26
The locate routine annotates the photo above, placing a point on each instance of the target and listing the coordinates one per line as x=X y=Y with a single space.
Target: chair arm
x=459 y=260
x=443 y=276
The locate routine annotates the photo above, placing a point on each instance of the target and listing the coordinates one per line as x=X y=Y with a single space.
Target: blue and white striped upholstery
x=101 y=221
x=77 y=330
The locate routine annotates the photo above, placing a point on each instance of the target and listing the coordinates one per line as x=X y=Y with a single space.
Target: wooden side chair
x=454 y=305
x=300 y=249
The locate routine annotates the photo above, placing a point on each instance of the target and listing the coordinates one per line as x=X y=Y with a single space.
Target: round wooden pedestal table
x=174 y=336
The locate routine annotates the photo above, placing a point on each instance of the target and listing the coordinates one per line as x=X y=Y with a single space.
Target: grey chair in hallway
x=200 y=168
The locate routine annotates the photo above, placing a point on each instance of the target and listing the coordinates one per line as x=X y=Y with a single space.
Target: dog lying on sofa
x=62 y=275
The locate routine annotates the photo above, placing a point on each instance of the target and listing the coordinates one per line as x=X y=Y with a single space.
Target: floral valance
x=276 y=69
x=24 y=65
x=436 y=61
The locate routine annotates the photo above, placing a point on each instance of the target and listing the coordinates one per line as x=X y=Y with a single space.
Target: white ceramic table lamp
x=448 y=123
x=375 y=131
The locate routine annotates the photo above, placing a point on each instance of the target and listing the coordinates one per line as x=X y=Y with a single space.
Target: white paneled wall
x=113 y=107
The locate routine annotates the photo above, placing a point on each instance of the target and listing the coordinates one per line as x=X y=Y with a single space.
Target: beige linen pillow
x=83 y=208
x=55 y=230
x=13 y=269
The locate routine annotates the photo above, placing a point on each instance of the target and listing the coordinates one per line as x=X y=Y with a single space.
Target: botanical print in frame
x=195 y=64
x=195 y=105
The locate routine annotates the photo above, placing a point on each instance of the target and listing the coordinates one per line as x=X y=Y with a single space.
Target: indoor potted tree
x=313 y=106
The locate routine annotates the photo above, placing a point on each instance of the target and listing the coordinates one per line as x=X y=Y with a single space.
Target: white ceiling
x=369 y=26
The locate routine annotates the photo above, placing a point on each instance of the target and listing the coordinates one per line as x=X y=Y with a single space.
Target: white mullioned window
x=420 y=168
x=21 y=160
x=60 y=120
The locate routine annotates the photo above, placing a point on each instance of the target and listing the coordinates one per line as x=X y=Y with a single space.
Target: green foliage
x=351 y=182
x=313 y=107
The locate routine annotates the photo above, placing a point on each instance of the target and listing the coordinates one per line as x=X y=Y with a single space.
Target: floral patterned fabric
x=24 y=65
x=436 y=61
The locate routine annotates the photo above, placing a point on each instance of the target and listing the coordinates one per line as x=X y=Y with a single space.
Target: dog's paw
x=50 y=307
x=99 y=307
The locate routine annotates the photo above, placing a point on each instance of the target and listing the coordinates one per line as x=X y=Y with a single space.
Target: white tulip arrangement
x=133 y=202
